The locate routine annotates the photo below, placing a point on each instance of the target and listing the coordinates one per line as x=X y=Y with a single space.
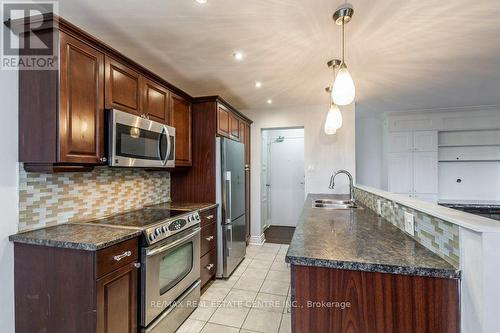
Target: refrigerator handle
x=230 y=246
x=229 y=216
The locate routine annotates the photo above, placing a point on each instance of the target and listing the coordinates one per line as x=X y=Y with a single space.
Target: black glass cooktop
x=141 y=218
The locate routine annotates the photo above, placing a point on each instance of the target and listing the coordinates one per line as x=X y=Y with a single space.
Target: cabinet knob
x=209 y=217
x=103 y=159
x=209 y=238
x=137 y=265
x=209 y=267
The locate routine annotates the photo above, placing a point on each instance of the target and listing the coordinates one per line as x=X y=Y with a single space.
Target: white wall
x=322 y=154
x=8 y=194
x=369 y=149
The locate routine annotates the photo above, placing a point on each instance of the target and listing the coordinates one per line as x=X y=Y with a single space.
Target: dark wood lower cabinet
x=61 y=290
x=117 y=301
x=208 y=266
x=379 y=302
x=208 y=248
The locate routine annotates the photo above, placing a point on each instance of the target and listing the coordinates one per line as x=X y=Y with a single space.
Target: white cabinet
x=400 y=142
x=425 y=172
x=425 y=141
x=413 y=163
x=400 y=172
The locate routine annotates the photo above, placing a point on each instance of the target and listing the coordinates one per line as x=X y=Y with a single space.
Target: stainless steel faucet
x=351 y=185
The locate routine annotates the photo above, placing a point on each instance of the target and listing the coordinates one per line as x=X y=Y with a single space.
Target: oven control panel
x=177 y=225
x=172 y=226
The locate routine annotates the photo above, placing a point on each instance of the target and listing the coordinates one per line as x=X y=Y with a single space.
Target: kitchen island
x=353 y=271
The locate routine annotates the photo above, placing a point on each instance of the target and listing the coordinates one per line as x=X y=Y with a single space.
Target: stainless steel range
x=170 y=264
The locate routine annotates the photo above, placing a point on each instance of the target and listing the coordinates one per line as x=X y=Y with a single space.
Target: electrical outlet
x=410 y=223
x=379 y=207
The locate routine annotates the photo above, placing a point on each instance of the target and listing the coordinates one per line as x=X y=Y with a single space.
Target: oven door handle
x=173 y=244
x=169 y=145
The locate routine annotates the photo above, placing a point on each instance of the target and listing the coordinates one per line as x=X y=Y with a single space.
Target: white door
x=425 y=140
x=400 y=173
x=425 y=172
x=400 y=142
x=286 y=163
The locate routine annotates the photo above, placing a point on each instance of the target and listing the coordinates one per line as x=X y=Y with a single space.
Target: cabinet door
x=425 y=172
x=81 y=102
x=235 y=127
x=181 y=121
x=400 y=172
x=117 y=301
x=400 y=142
x=425 y=141
x=223 y=124
x=123 y=88
x=155 y=101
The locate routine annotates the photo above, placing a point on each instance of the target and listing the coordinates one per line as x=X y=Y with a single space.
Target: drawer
x=208 y=216
x=208 y=266
x=208 y=238
x=116 y=256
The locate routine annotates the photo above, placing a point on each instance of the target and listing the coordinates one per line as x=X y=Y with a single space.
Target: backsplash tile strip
x=50 y=199
x=437 y=235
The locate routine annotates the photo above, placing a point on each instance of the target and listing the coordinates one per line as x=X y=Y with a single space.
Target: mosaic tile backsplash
x=437 y=235
x=50 y=199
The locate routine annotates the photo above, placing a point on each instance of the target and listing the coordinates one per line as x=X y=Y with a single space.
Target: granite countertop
x=85 y=235
x=76 y=236
x=187 y=206
x=358 y=239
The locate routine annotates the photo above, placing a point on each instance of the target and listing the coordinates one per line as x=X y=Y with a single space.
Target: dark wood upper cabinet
x=123 y=87
x=81 y=102
x=235 y=127
x=228 y=123
x=155 y=101
x=181 y=120
x=61 y=112
x=223 y=121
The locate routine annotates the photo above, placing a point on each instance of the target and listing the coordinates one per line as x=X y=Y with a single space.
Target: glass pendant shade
x=343 y=90
x=333 y=120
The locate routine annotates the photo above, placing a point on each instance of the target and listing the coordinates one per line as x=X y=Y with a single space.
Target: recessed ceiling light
x=269 y=101
x=258 y=84
x=201 y=1
x=238 y=55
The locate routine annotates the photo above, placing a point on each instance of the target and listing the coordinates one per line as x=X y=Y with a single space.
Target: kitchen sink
x=335 y=204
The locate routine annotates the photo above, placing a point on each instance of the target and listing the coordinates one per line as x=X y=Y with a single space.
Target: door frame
x=265 y=191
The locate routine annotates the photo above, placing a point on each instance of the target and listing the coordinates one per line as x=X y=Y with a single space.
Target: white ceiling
x=402 y=54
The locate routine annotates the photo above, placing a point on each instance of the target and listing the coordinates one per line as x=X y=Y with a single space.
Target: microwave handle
x=169 y=146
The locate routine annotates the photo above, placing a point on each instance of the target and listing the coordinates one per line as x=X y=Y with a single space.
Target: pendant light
x=334 y=117
x=343 y=90
x=333 y=120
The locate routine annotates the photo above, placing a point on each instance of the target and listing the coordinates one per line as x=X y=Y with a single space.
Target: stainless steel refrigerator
x=230 y=171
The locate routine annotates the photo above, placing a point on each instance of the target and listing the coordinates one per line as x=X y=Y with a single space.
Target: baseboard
x=257 y=240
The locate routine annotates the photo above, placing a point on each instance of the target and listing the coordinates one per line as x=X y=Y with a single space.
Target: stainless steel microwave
x=139 y=142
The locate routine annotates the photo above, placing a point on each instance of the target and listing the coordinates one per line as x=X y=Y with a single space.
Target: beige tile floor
x=255 y=298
